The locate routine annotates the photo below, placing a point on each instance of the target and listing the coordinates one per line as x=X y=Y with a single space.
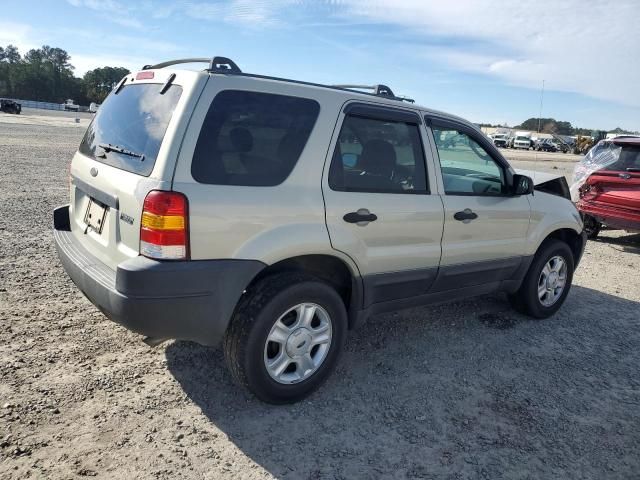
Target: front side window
x=467 y=168
x=252 y=138
x=378 y=156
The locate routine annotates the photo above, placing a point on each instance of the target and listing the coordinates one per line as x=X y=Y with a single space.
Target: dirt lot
x=466 y=390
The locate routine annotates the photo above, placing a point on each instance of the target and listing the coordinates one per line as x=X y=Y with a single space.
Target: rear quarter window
x=252 y=138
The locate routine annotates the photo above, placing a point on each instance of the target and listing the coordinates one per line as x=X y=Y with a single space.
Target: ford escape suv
x=271 y=216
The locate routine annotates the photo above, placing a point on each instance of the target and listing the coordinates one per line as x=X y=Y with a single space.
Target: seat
x=376 y=166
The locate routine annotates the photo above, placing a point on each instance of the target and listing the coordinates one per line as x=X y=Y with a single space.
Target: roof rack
x=216 y=64
x=226 y=65
x=379 y=90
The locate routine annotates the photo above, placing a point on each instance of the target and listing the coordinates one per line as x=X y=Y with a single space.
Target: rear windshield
x=134 y=120
x=628 y=161
x=252 y=138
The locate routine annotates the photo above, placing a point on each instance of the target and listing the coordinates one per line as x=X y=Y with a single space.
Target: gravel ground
x=465 y=390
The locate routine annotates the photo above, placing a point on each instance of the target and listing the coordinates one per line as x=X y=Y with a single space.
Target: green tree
x=100 y=81
x=10 y=54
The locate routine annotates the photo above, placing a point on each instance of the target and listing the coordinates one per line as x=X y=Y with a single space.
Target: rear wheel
x=591 y=226
x=547 y=283
x=286 y=336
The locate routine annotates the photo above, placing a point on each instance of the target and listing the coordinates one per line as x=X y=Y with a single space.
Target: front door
x=485 y=227
x=379 y=208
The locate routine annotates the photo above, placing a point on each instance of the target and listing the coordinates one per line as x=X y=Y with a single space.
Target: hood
x=548 y=182
x=538 y=177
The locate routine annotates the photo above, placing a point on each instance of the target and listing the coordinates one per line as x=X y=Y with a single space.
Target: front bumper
x=187 y=300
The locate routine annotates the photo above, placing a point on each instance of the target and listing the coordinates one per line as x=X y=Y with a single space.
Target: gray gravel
x=466 y=390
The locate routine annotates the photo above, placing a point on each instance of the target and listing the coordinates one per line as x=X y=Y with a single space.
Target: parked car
x=10 y=106
x=69 y=106
x=239 y=210
x=93 y=107
x=522 y=141
x=500 y=140
x=545 y=145
x=611 y=196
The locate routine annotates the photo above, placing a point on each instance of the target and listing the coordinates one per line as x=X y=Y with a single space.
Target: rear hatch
x=619 y=189
x=618 y=184
x=128 y=150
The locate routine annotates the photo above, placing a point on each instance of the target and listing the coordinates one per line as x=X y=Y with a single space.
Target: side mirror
x=522 y=185
x=349 y=159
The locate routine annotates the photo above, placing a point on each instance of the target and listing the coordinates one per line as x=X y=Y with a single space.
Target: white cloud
x=18 y=34
x=248 y=13
x=588 y=48
x=116 y=12
x=84 y=63
x=99 y=5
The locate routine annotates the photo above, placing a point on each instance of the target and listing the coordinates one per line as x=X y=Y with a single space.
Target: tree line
x=46 y=75
x=558 y=127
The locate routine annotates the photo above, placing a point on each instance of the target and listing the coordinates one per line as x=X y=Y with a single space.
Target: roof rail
x=379 y=90
x=216 y=64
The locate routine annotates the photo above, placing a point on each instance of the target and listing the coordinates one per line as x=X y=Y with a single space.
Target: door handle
x=361 y=217
x=465 y=215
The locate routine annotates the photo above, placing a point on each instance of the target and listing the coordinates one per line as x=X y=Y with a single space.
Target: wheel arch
x=330 y=268
x=573 y=239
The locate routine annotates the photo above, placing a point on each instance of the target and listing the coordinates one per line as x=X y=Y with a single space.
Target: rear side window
x=251 y=138
x=128 y=129
x=378 y=156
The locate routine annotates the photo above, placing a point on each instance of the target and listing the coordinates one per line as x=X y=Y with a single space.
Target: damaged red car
x=609 y=186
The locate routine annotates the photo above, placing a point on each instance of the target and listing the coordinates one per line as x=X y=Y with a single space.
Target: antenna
x=541 y=99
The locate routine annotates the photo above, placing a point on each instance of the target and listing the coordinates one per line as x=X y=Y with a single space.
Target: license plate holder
x=95 y=215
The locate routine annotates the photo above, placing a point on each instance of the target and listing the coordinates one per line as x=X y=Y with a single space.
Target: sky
x=483 y=60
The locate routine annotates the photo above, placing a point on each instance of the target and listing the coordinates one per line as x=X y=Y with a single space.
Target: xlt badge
x=126 y=218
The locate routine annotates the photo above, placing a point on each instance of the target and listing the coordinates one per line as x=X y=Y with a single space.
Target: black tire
x=592 y=227
x=258 y=310
x=526 y=300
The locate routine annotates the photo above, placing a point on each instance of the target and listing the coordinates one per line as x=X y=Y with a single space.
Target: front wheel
x=547 y=283
x=286 y=336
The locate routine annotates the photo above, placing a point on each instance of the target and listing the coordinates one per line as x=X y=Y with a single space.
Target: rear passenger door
x=379 y=207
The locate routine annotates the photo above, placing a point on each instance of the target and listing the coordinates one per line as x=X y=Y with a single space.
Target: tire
x=591 y=226
x=527 y=299
x=248 y=350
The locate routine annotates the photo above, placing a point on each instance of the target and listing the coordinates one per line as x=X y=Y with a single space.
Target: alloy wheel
x=298 y=343
x=552 y=281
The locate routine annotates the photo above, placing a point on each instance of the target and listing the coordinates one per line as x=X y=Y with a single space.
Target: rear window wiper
x=109 y=147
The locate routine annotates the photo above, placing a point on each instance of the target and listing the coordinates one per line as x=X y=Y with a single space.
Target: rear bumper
x=610 y=215
x=188 y=300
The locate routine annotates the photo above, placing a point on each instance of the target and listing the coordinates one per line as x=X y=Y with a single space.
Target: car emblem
x=626 y=176
x=93 y=172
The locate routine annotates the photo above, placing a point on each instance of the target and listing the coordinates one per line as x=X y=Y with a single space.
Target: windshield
x=134 y=120
x=523 y=139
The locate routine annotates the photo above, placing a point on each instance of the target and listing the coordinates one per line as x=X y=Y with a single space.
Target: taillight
x=164 y=229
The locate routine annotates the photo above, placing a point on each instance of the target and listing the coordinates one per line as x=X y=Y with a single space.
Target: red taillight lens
x=164 y=230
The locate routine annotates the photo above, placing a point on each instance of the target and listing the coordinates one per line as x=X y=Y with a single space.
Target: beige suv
x=272 y=216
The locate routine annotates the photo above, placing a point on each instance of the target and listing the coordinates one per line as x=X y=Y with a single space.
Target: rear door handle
x=465 y=215
x=361 y=217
